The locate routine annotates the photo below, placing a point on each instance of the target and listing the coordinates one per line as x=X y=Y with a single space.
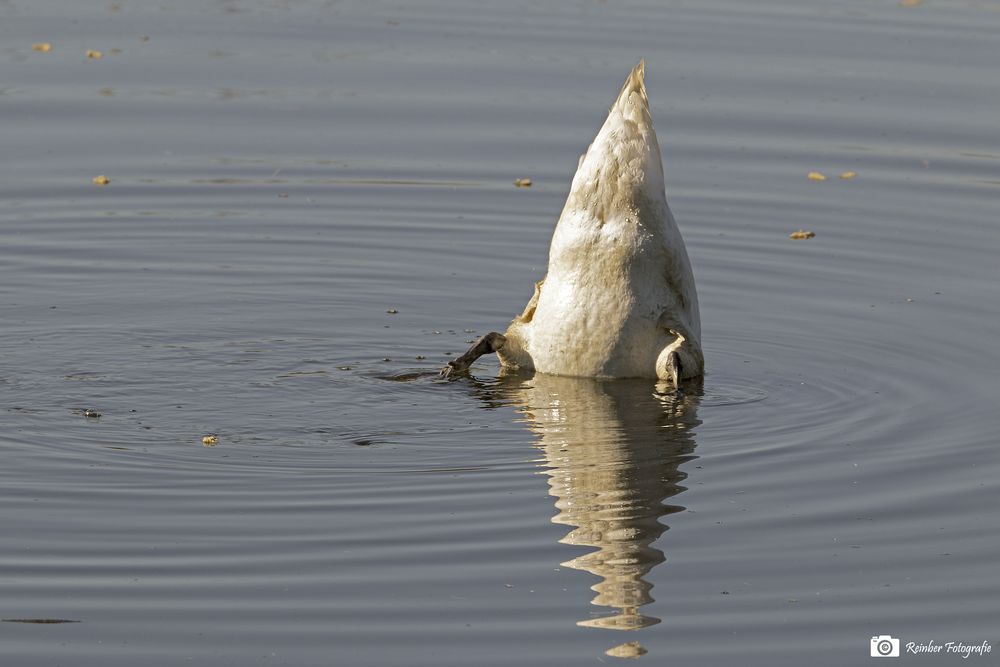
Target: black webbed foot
x=674 y=368
x=489 y=343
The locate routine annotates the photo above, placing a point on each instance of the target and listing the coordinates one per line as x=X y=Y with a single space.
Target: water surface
x=283 y=174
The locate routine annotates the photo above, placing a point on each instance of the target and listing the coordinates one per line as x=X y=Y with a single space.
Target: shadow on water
x=611 y=451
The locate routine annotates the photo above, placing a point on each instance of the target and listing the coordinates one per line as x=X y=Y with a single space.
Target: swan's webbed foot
x=489 y=343
x=674 y=368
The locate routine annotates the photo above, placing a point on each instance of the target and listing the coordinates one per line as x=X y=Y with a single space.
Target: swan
x=619 y=297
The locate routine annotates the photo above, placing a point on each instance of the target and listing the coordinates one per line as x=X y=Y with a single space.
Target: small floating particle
x=815 y=176
x=101 y=180
x=627 y=650
x=210 y=440
x=144 y=38
x=848 y=175
x=94 y=55
x=801 y=234
x=93 y=414
x=392 y=311
x=522 y=182
x=44 y=47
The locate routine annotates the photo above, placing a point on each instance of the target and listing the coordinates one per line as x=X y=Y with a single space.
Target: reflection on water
x=612 y=451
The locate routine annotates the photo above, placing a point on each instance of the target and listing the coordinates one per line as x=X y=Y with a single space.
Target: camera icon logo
x=885 y=646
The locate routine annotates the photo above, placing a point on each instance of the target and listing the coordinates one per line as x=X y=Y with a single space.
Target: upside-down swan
x=619 y=298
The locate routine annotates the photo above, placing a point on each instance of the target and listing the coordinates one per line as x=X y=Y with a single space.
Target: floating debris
x=210 y=440
x=37 y=620
x=815 y=176
x=848 y=175
x=392 y=311
x=627 y=650
x=92 y=414
x=101 y=180
x=44 y=47
x=801 y=234
x=94 y=55
x=522 y=182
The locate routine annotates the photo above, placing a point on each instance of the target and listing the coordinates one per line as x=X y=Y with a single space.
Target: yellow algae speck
x=847 y=175
x=801 y=234
x=815 y=176
x=101 y=180
x=94 y=55
x=210 y=440
x=44 y=47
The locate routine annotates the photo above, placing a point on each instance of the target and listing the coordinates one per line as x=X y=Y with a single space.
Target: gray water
x=283 y=173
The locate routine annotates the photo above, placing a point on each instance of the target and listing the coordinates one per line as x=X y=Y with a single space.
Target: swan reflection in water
x=612 y=451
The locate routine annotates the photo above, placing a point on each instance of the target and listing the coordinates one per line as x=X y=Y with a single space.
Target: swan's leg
x=491 y=342
x=674 y=368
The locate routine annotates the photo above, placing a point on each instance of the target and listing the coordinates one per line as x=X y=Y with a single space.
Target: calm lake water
x=284 y=172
